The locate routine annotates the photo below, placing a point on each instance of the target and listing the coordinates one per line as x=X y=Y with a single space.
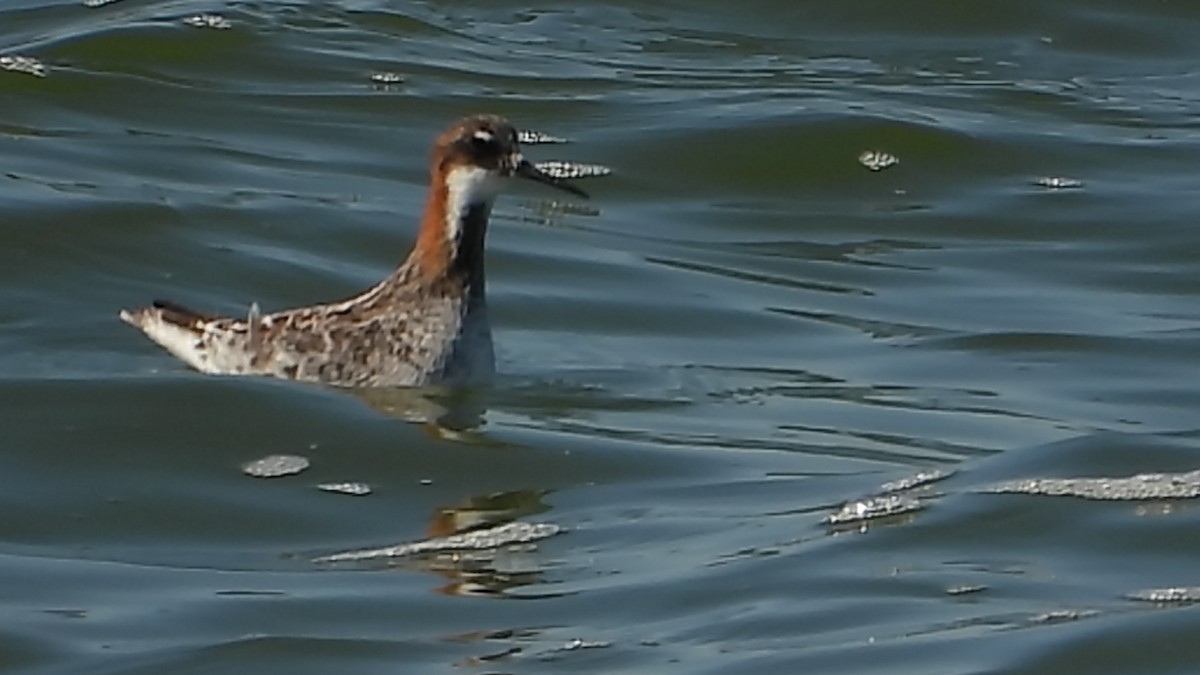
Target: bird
x=425 y=324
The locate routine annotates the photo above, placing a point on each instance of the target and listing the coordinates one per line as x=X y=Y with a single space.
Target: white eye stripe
x=484 y=135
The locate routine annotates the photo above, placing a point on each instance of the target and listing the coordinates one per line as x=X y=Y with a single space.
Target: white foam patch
x=274 y=466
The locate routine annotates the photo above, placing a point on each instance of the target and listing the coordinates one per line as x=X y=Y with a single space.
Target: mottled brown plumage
x=425 y=323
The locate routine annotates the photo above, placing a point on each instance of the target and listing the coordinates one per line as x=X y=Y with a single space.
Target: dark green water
x=741 y=330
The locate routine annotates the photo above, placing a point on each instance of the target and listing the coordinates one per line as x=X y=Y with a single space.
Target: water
x=743 y=329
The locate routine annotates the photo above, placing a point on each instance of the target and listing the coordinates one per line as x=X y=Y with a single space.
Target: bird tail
x=178 y=329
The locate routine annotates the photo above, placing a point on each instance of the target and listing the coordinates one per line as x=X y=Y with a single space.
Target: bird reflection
x=442 y=413
x=479 y=546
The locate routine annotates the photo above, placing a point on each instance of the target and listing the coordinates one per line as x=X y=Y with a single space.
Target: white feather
x=181 y=342
x=467 y=186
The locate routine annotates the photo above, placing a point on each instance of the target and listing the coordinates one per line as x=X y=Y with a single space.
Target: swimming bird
x=426 y=323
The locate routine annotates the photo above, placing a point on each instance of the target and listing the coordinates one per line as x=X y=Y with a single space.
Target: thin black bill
x=527 y=170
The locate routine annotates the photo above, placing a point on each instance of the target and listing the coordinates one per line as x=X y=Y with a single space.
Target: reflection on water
x=480 y=547
x=486 y=511
x=442 y=413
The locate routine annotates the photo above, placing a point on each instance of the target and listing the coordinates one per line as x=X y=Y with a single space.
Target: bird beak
x=527 y=170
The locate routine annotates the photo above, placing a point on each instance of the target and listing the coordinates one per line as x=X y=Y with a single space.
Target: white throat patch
x=467 y=186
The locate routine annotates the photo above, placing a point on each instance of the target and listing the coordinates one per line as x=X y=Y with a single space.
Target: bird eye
x=482 y=139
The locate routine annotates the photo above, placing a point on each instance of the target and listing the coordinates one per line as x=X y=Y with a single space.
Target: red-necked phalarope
x=426 y=323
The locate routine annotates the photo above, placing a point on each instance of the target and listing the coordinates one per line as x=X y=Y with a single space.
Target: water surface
x=744 y=328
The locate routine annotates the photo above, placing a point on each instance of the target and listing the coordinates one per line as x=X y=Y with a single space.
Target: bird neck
x=453 y=229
